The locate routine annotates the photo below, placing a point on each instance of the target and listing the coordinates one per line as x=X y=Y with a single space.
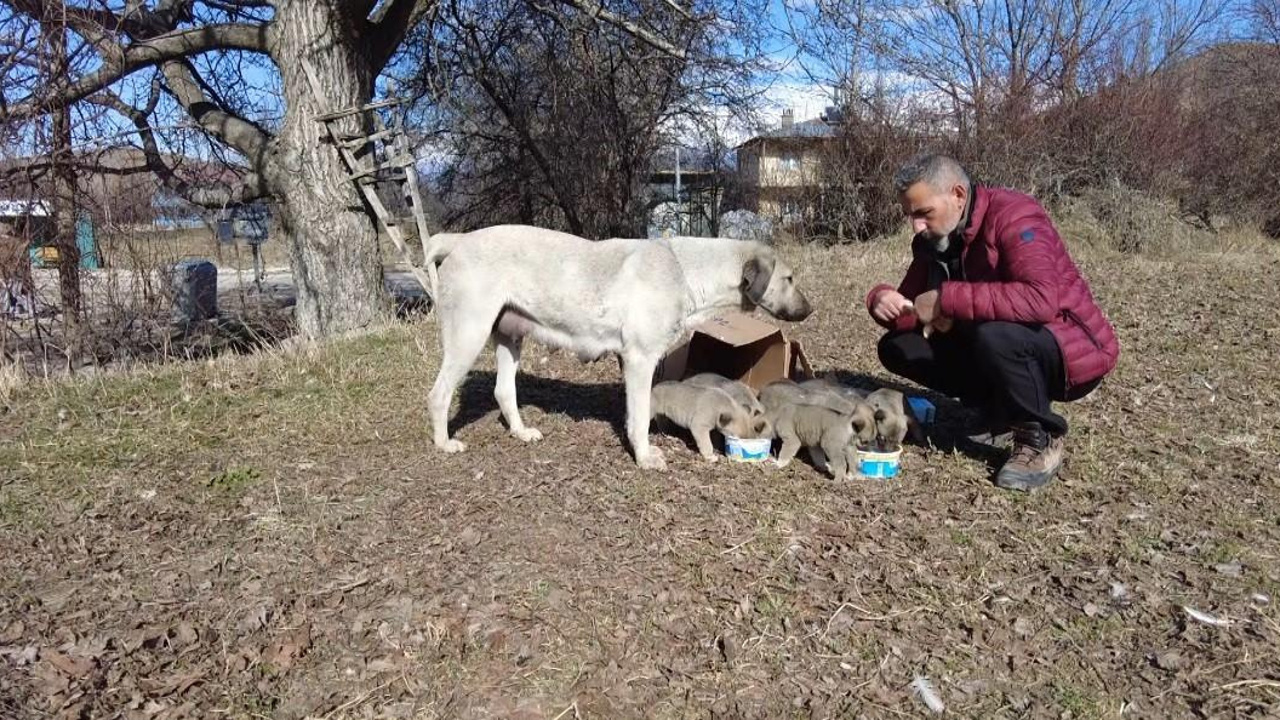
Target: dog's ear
x=760 y=427
x=880 y=416
x=859 y=425
x=723 y=421
x=756 y=274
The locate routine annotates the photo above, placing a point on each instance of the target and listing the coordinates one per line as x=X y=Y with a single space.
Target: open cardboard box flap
x=739 y=347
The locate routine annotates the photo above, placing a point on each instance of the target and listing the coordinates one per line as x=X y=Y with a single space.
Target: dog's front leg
x=639 y=381
x=790 y=446
x=838 y=459
x=702 y=436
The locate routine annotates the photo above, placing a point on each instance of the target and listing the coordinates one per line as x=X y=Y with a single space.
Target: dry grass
x=273 y=536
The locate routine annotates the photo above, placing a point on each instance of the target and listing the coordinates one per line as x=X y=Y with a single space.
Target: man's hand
x=926 y=308
x=889 y=306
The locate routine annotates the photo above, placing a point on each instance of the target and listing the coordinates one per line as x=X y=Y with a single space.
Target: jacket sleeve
x=913 y=283
x=1029 y=293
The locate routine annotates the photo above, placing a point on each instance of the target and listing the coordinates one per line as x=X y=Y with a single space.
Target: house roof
x=809 y=129
x=22 y=208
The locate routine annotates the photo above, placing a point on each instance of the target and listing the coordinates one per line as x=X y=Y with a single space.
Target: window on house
x=790 y=161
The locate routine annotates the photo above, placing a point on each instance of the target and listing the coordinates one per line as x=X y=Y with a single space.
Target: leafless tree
x=203 y=57
x=555 y=120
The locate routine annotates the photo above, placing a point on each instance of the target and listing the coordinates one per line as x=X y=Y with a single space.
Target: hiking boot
x=1034 y=461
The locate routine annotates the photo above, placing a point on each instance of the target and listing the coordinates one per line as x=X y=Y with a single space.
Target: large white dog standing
x=631 y=297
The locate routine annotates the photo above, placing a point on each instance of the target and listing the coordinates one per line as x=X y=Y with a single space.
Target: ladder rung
x=357 y=141
x=396 y=163
x=373 y=179
x=328 y=117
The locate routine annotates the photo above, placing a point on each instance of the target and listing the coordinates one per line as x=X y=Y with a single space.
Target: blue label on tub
x=878 y=468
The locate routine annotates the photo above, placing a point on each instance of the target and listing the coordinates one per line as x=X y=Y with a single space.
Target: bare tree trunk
x=64 y=192
x=332 y=240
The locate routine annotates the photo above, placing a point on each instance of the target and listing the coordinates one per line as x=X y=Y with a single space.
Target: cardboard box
x=739 y=347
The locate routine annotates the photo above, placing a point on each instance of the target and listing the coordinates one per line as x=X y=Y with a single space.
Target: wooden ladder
x=381 y=156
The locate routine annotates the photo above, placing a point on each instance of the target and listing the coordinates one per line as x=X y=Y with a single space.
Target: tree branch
x=596 y=9
x=391 y=22
x=247 y=138
x=252 y=185
x=145 y=53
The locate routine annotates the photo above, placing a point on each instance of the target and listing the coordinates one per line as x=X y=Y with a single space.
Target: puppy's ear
x=723 y=421
x=761 y=427
x=880 y=416
x=859 y=425
x=756 y=274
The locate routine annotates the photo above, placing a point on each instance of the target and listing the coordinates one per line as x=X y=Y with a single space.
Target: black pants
x=1009 y=370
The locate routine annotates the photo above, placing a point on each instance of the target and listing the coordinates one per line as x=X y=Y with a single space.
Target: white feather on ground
x=928 y=695
x=1205 y=617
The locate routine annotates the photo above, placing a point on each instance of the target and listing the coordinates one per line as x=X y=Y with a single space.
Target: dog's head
x=893 y=419
x=767 y=282
x=744 y=425
x=864 y=425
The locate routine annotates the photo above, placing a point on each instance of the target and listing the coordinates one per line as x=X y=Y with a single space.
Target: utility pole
x=679 y=222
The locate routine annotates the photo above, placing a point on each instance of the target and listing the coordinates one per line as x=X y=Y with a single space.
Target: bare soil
x=275 y=536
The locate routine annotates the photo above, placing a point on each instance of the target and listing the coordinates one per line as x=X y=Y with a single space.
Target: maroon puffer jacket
x=1016 y=269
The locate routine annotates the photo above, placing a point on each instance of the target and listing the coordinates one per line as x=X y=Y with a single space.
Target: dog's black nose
x=797 y=313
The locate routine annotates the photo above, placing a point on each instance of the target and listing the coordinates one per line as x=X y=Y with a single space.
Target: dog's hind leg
x=462 y=343
x=638 y=375
x=819 y=457
x=507 y=348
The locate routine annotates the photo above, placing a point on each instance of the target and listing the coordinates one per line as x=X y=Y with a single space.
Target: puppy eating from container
x=893 y=420
x=828 y=427
x=739 y=391
x=703 y=409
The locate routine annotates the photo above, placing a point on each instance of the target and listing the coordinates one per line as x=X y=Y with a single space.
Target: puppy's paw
x=781 y=463
x=652 y=460
x=453 y=445
x=711 y=458
x=527 y=434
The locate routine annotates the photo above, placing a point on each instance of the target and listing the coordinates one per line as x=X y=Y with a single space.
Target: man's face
x=932 y=212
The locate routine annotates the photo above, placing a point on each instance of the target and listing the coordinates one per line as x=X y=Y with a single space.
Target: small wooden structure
x=381 y=155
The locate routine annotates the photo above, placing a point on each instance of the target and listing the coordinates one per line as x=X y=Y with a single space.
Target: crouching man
x=992 y=311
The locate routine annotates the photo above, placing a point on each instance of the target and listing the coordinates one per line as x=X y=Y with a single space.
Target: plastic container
x=881 y=465
x=922 y=409
x=747 y=449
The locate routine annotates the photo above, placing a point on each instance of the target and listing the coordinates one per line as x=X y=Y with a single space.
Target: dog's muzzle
x=794 y=312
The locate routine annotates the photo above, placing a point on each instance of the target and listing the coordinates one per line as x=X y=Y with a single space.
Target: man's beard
x=940 y=242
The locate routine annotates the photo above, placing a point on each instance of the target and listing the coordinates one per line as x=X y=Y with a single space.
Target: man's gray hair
x=940 y=171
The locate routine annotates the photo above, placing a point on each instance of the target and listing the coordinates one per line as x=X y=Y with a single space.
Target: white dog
x=635 y=298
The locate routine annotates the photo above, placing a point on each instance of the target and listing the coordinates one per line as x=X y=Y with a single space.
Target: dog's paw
x=711 y=458
x=453 y=445
x=652 y=460
x=527 y=434
x=781 y=463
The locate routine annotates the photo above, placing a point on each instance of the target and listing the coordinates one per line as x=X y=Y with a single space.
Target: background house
x=781 y=170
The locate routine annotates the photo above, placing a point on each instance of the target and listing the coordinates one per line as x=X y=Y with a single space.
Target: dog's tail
x=434 y=250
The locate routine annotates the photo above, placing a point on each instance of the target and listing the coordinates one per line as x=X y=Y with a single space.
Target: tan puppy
x=739 y=391
x=893 y=419
x=835 y=396
x=827 y=433
x=701 y=410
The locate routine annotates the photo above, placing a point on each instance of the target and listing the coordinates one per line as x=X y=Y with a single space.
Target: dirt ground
x=274 y=536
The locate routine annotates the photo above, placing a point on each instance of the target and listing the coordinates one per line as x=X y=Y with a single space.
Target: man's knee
x=903 y=353
x=997 y=339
